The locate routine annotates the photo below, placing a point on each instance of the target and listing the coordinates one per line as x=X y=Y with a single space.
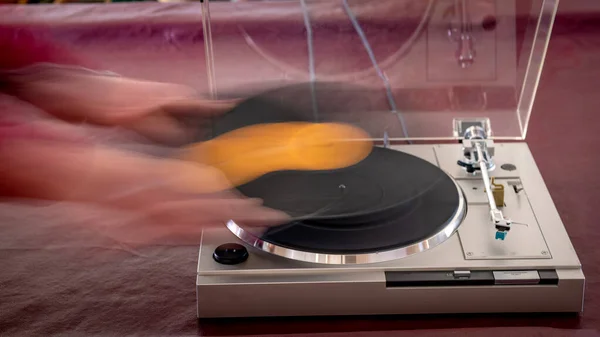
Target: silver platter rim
x=353 y=259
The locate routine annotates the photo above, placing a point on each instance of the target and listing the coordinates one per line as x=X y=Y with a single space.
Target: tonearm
x=478 y=152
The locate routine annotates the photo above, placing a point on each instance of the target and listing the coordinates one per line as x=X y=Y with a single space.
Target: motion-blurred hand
x=166 y=197
x=152 y=109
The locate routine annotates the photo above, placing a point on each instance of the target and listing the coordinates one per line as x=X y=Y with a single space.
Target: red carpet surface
x=77 y=283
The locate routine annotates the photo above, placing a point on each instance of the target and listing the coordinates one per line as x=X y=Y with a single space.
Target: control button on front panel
x=462 y=274
x=230 y=253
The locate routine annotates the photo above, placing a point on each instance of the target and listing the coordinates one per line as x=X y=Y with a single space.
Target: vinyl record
x=390 y=200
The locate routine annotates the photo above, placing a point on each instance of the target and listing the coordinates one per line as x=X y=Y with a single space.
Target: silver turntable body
x=477 y=269
x=462 y=62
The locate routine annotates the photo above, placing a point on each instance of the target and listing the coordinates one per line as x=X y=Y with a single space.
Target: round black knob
x=230 y=253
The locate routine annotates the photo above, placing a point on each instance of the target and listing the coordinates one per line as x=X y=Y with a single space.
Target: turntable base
x=535 y=269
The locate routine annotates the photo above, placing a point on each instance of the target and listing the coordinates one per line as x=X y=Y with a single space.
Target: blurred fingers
x=182 y=222
x=216 y=212
x=199 y=107
x=161 y=128
x=179 y=122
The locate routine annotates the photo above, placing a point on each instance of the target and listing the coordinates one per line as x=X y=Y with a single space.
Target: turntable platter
x=389 y=202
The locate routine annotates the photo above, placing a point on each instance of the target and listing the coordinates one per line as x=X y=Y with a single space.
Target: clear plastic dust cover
x=405 y=69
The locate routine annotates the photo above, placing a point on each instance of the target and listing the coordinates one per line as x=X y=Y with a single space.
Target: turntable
x=448 y=213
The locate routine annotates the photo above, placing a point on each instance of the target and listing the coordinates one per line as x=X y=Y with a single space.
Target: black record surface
x=389 y=200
